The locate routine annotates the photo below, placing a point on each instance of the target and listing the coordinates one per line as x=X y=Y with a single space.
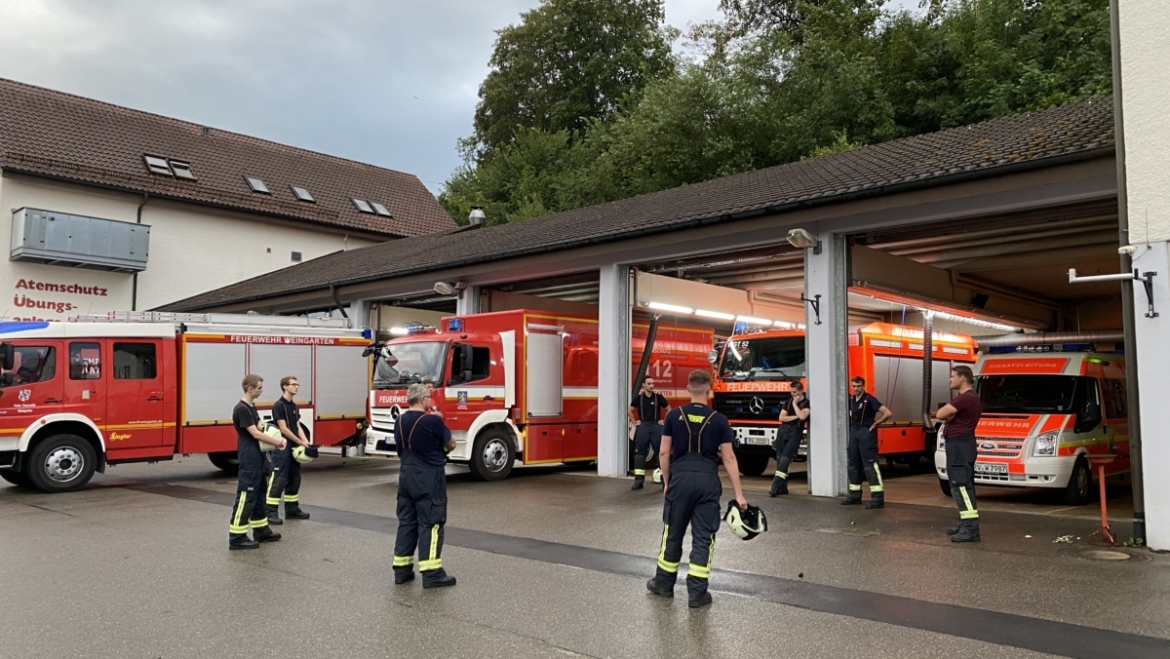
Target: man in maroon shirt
x=961 y=416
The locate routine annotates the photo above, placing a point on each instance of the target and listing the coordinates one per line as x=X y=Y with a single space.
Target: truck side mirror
x=7 y=356
x=6 y=380
x=467 y=362
x=1089 y=418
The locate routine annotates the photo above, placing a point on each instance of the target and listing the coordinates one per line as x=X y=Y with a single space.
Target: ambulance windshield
x=1029 y=394
x=403 y=364
x=777 y=358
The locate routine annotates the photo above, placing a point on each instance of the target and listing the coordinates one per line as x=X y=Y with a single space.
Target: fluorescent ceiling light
x=785 y=325
x=659 y=306
x=753 y=321
x=399 y=331
x=714 y=314
x=975 y=321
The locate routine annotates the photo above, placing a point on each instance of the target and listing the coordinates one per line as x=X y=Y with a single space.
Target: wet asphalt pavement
x=551 y=563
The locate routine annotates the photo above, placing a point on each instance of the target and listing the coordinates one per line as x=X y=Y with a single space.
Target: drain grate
x=1103 y=555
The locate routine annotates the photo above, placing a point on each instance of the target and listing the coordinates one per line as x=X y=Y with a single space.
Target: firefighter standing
x=793 y=419
x=961 y=416
x=866 y=413
x=285 y=480
x=646 y=412
x=694 y=439
x=422 y=441
x=248 y=510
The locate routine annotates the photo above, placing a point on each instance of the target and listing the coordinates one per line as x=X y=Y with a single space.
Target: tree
x=568 y=63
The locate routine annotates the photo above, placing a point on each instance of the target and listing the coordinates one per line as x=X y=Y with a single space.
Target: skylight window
x=257 y=185
x=157 y=165
x=302 y=194
x=362 y=205
x=182 y=170
x=380 y=209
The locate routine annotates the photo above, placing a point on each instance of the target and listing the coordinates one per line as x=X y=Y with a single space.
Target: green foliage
x=780 y=81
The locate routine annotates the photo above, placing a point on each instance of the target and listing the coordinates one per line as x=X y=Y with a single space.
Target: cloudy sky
x=389 y=82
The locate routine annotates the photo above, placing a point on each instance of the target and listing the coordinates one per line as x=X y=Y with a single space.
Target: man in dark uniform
x=962 y=416
x=248 y=510
x=285 y=480
x=422 y=441
x=793 y=419
x=646 y=411
x=694 y=439
x=866 y=413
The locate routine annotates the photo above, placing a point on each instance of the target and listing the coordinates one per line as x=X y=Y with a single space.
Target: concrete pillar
x=825 y=274
x=468 y=301
x=613 y=371
x=1153 y=337
x=359 y=313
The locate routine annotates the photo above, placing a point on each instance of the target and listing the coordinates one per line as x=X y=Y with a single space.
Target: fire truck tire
x=752 y=464
x=17 y=478
x=945 y=486
x=1079 y=490
x=61 y=463
x=493 y=455
x=228 y=461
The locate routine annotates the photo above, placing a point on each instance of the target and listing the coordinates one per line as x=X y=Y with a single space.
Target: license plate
x=990 y=468
x=756 y=441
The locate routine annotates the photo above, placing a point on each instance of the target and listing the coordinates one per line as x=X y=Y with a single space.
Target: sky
x=387 y=82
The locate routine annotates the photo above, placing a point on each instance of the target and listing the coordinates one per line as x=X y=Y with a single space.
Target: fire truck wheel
x=945 y=486
x=1080 y=484
x=493 y=456
x=17 y=478
x=227 y=461
x=62 y=463
x=752 y=464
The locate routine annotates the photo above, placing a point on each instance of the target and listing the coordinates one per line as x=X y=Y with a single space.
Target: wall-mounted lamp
x=444 y=288
x=802 y=239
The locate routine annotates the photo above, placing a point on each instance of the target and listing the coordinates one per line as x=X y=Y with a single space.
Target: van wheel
x=492 y=456
x=228 y=461
x=752 y=464
x=1079 y=490
x=945 y=486
x=61 y=463
x=16 y=477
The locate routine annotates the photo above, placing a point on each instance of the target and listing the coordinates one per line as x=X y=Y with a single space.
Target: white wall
x=193 y=249
x=1145 y=59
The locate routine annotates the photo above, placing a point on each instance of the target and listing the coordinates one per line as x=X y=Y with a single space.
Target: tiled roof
x=987 y=149
x=51 y=133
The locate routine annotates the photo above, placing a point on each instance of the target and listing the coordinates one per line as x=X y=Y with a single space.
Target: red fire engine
x=756 y=372
x=517 y=385
x=78 y=396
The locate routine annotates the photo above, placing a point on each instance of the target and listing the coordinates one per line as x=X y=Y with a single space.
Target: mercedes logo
x=394 y=412
x=756 y=405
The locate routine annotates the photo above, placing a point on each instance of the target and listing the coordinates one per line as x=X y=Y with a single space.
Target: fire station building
x=112 y=209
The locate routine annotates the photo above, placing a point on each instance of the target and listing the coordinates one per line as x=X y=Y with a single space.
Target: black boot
x=274 y=515
x=293 y=512
x=658 y=588
x=443 y=582
x=953 y=530
x=966 y=536
x=700 y=600
x=851 y=501
x=403 y=576
x=242 y=543
x=775 y=489
x=639 y=482
x=265 y=534
x=876 y=502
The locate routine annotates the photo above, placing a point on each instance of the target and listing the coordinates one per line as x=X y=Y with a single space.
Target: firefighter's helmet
x=745 y=523
x=274 y=433
x=656 y=476
x=304 y=454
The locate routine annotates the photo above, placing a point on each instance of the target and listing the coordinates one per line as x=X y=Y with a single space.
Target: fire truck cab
x=1046 y=411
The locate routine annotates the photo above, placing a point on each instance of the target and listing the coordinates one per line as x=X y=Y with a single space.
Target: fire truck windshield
x=778 y=358
x=403 y=364
x=1030 y=394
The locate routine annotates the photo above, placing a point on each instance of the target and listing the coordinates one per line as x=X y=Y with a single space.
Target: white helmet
x=274 y=433
x=656 y=476
x=745 y=523
x=304 y=455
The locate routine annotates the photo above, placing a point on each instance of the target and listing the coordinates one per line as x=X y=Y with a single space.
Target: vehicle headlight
x=1046 y=444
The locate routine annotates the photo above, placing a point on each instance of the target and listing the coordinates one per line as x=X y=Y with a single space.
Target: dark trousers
x=422 y=512
x=248 y=510
x=692 y=498
x=863 y=456
x=961 y=454
x=284 y=481
x=647 y=438
x=787 y=446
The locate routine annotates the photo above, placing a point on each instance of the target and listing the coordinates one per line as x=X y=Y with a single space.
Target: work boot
x=293 y=512
x=639 y=481
x=265 y=534
x=274 y=516
x=447 y=580
x=700 y=600
x=953 y=530
x=242 y=543
x=658 y=588
x=875 y=503
x=850 y=501
x=405 y=577
x=965 y=536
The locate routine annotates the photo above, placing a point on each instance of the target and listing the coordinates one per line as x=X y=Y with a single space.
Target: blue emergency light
x=455 y=325
x=741 y=327
x=415 y=328
x=367 y=334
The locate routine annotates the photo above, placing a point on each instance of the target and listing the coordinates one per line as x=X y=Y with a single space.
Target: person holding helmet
x=866 y=413
x=285 y=480
x=694 y=439
x=793 y=419
x=646 y=413
x=422 y=441
x=248 y=510
x=962 y=416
